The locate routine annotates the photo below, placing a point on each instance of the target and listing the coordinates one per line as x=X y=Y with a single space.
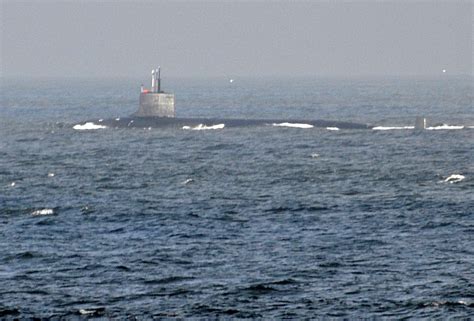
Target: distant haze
x=232 y=39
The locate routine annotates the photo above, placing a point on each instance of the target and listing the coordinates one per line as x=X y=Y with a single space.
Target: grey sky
x=326 y=38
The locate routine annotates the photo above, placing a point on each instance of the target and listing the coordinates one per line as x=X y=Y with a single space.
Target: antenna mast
x=153 y=81
x=159 y=79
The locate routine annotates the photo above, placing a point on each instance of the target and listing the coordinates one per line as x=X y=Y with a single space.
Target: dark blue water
x=264 y=222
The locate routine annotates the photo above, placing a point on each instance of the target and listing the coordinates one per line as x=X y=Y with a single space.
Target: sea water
x=277 y=221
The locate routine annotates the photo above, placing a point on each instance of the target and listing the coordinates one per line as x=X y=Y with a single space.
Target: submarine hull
x=158 y=122
x=157 y=109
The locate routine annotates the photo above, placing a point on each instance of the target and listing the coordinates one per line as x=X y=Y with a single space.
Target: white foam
x=204 y=127
x=101 y=120
x=444 y=126
x=392 y=127
x=455 y=178
x=314 y=155
x=293 y=125
x=88 y=126
x=86 y=312
x=470 y=127
x=45 y=211
x=332 y=128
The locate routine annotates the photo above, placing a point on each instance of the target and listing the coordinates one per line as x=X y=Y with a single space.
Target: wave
x=92 y=312
x=187 y=181
x=455 y=178
x=447 y=303
x=45 y=211
x=437 y=127
x=293 y=125
x=392 y=127
x=88 y=126
x=332 y=128
x=204 y=127
x=445 y=126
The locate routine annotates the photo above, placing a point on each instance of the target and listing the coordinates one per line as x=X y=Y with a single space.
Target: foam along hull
x=157 y=122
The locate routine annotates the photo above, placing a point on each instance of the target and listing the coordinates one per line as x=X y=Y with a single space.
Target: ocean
x=265 y=222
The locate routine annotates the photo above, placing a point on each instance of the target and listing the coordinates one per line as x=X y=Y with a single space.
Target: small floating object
x=45 y=211
x=50 y=174
x=86 y=209
x=189 y=180
x=12 y=184
x=455 y=178
x=92 y=311
x=231 y=80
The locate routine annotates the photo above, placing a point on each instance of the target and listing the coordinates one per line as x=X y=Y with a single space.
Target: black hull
x=156 y=122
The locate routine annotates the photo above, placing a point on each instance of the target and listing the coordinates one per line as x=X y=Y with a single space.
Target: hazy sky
x=191 y=38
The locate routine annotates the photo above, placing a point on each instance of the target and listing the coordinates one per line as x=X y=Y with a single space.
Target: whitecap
x=204 y=127
x=293 y=125
x=50 y=174
x=92 y=312
x=189 y=180
x=45 y=211
x=117 y=119
x=314 y=155
x=101 y=120
x=12 y=184
x=455 y=178
x=332 y=128
x=86 y=312
x=88 y=126
x=392 y=127
x=445 y=126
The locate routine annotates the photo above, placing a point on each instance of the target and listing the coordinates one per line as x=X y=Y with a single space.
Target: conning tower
x=154 y=102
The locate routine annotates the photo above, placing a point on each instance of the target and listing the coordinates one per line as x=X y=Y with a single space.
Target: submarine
x=157 y=109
